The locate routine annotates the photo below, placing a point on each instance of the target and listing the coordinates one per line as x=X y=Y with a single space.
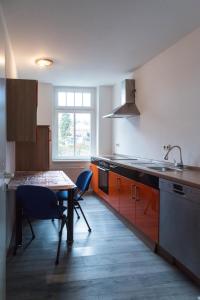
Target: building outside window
x=74 y=123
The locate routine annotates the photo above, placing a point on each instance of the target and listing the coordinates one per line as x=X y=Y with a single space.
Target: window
x=74 y=123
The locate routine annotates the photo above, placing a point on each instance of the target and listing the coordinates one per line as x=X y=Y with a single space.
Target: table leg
x=18 y=229
x=70 y=215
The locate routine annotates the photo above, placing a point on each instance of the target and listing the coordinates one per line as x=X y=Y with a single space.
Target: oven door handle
x=103 y=169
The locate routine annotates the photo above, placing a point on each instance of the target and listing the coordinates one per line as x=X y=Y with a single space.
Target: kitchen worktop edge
x=189 y=176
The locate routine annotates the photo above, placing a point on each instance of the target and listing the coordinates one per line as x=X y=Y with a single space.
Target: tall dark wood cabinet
x=34 y=156
x=21 y=95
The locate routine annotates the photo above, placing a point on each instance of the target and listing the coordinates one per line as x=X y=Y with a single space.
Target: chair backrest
x=83 y=180
x=37 y=202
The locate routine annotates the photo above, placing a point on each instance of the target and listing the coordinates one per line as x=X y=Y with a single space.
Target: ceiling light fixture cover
x=44 y=62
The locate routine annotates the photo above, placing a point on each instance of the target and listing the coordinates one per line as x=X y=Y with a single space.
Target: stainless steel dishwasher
x=180 y=223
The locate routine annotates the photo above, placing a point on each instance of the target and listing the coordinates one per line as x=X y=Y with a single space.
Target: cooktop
x=117 y=157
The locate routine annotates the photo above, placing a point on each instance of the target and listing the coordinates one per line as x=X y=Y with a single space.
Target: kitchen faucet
x=179 y=165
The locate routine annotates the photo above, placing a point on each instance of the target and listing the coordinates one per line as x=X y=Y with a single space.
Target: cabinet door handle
x=133 y=192
x=137 y=198
x=118 y=183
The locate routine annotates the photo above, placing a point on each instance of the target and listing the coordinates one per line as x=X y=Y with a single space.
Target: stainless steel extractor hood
x=128 y=109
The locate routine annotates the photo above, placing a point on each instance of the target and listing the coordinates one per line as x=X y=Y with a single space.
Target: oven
x=103 y=178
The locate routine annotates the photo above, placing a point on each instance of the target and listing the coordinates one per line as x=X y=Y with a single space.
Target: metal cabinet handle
x=137 y=198
x=133 y=193
x=118 y=183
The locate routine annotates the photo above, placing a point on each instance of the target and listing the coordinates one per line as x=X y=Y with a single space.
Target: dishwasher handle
x=179 y=192
x=178 y=189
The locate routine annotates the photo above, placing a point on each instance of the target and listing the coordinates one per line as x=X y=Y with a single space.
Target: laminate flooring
x=108 y=263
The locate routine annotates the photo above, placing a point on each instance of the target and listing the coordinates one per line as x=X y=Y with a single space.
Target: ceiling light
x=44 y=62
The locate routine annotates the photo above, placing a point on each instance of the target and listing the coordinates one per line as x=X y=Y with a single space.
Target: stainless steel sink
x=164 y=168
x=161 y=169
x=140 y=163
x=154 y=165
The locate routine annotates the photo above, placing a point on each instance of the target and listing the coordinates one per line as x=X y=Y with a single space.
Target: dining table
x=54 y=180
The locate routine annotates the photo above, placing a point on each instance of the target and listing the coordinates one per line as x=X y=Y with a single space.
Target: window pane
x=83 y=134
x=78 y=99
x=86 y=99
x=65 y=134
x=70 y=99
x=61 y=99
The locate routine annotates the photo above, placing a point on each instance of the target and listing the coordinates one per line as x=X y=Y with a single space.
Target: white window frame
x=73 y=109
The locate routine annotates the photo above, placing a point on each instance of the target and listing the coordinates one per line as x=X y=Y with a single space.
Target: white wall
x=45 y=103
x=2 y=169
x=10 y=72
x=168 y=97
x=104 y=126
x=6 y=221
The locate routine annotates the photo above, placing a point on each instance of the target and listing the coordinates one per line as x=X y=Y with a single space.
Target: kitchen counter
x=189 y=175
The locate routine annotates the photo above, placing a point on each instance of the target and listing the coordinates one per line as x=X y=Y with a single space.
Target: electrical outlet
x=167 y=147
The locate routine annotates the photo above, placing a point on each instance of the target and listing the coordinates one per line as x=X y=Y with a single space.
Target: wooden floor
x=109 y=263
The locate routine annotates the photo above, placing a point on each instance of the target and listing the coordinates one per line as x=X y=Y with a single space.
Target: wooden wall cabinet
x=21 y=109
x=34 y=156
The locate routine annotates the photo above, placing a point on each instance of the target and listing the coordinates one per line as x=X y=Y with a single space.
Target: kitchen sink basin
x=161 y=169
x=164 y=168
x=156 y=166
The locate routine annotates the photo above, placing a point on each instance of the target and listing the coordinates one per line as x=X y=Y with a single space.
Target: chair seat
x=63 y=196
x=56 y=214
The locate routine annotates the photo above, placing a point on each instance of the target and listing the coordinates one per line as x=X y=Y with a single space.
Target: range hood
x=128 y=109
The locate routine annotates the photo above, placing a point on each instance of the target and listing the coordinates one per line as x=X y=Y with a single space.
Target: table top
x=54 y=180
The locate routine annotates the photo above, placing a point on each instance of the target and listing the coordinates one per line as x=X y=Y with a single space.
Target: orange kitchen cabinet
x=103 y=195
x=94 y=181
x=122 y=195
x=114 y=186
x=147 y=210
x=127 y=188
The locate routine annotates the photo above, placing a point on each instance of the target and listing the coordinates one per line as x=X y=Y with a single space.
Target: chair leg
x=89 y=228
x=31 y=227
x=76 y=212
x=60 y=239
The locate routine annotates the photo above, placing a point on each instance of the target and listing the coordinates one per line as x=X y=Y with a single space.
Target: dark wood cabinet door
x=147 y=210
x=34 y=156
x=114 y=187
x=21 y=110
x=94 y=181
x=127 y=199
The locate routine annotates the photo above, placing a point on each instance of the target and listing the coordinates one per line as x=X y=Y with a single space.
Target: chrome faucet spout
x=180 y=164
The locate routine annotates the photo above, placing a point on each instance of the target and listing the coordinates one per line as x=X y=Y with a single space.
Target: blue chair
x=82 y=183
x=41 y=203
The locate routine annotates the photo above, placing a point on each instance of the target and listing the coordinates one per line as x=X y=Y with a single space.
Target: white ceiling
x=94 y=41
